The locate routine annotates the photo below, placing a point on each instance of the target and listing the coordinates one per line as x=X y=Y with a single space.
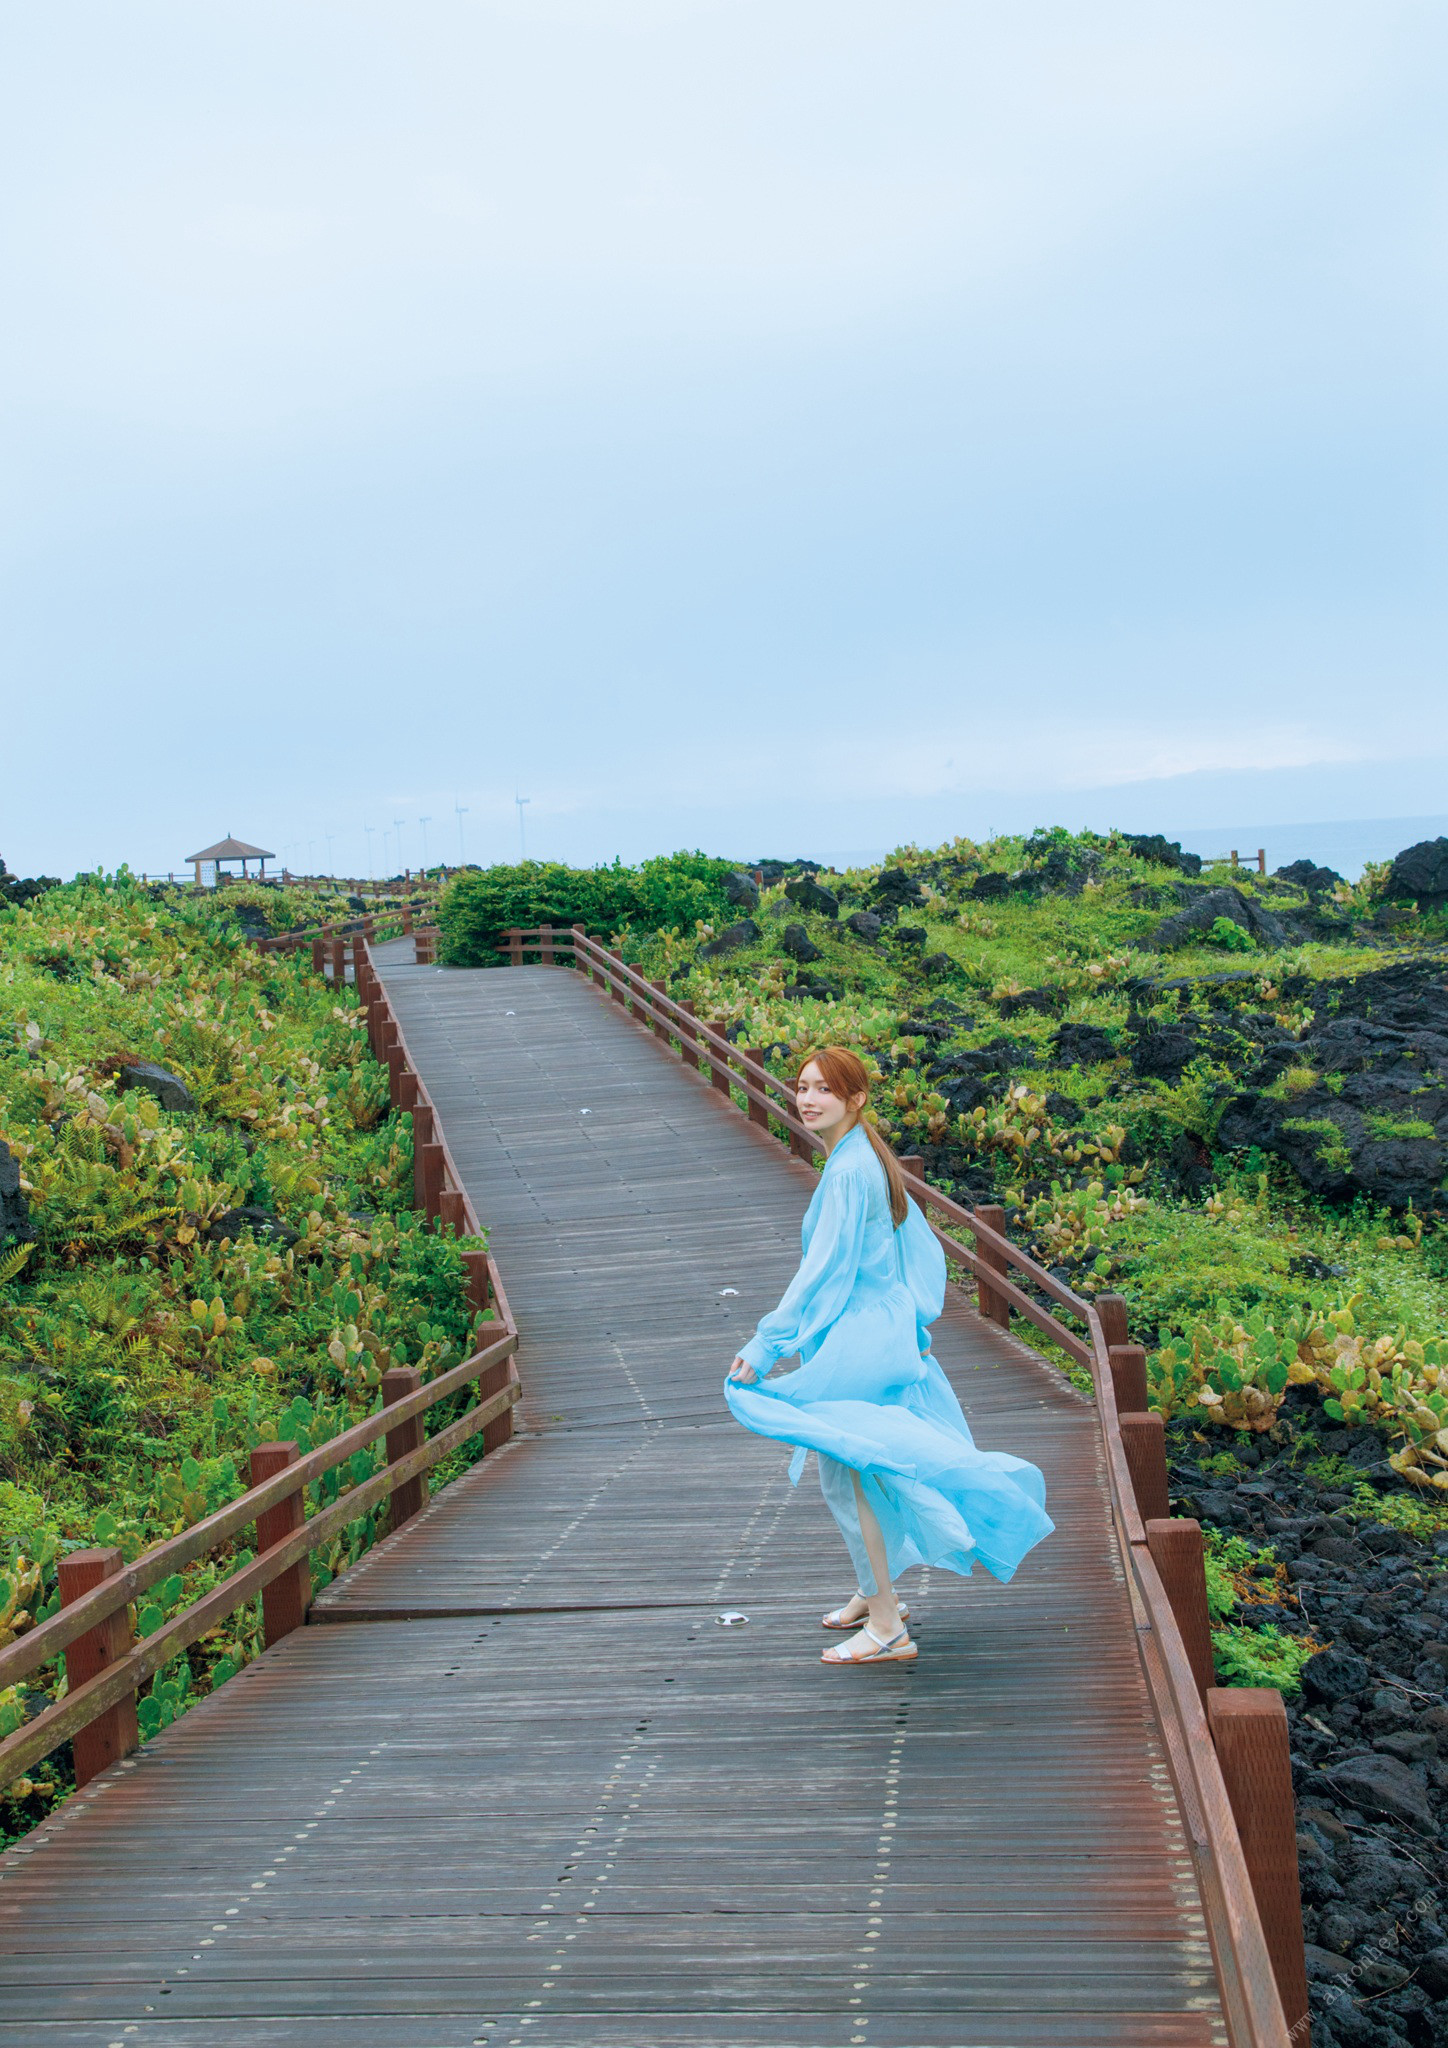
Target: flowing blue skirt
x=937 y=1498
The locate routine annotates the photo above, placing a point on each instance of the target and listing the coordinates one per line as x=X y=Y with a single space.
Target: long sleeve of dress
x=820 y=1289
x=922 y=1268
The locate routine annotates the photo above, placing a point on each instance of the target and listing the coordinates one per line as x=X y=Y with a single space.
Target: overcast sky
x=763 y=426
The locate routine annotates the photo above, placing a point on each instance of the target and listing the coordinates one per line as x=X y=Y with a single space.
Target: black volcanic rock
x=1376 y=1122
x=168 y=1088
x=809 y=894
x=1305 y=874
x=741 y=890
x=1083 y=1045
x=894 y=890
x=262 y=1223
x=1201 y=914
x=1166 y=853
x=742 y=934
x=15 y=1224
x=1334 y=1675
x=797 y=942
x=1421 y=872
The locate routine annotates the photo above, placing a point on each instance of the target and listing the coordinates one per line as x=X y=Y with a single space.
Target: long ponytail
x=845 y=1074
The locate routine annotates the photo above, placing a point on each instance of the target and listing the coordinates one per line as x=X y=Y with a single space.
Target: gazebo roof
x=232 y=849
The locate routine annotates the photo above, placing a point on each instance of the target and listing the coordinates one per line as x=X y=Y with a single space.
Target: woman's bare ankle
x=884 y=1614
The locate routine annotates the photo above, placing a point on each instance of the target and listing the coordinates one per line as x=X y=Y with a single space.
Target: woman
x=898 y=1466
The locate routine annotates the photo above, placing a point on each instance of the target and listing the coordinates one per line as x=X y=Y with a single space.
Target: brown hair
x=845 y=1074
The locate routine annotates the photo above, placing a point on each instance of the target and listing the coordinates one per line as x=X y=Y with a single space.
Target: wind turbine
x=522 y=840
x=462 y=811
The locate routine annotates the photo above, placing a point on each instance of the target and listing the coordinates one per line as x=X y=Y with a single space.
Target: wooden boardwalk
x=517 y=1784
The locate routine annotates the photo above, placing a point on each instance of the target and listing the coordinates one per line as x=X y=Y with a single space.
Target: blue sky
x=769 y=427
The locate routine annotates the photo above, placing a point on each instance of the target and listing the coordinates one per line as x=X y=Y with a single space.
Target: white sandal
x=898 y=1650
x=835 y=1618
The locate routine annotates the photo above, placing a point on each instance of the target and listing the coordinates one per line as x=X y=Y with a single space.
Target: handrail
x=48 y=1638
x=97 y=1608
x=1252 y=2002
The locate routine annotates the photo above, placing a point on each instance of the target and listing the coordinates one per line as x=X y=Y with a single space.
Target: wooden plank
x=560 y=1805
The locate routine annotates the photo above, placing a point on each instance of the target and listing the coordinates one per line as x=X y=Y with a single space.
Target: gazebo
x=229 y=849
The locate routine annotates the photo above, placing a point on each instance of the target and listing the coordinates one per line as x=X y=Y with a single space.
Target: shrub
x=671 y=892
x=1228 y=935
x=1261 y=1656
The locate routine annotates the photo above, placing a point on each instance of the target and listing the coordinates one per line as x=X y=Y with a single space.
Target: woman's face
x=818 y=1107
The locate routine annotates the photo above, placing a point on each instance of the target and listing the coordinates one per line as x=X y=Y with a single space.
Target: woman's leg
x=836 y=1484
x=883 y=1607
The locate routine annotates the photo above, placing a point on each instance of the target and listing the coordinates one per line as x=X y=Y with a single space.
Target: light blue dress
x=869 y=1397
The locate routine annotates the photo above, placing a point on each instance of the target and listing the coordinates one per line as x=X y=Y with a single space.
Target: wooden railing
x=374 y=926
x=1227 y=1747
x=104 y=1666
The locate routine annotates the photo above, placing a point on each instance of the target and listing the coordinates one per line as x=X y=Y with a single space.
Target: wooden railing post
x=718 y=1073
x=911 y=1163
x=689 y=1039
x=114 y=1733
x=407 y=1089
x=407 y=1499
x=580 y=958
x=319 y=955
x=1249 y=1729
x=396 y=1067
x=406 y=919
x=545 y=946
x=1143 y=1438
x=285 y=1601
x=1180 y=1559
x=429 y=1163
x=993 y=1305
x=422 y=1136
x=754 y=1058
x=620 y=993
x=477 y=1268
x=451 y=1211
x=514 y=936
x=339 y=962
x=1112 y=1310
x=661 y=1024
x=1128 y=1377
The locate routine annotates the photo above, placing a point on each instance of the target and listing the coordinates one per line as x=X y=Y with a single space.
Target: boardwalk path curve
x=517 y=1785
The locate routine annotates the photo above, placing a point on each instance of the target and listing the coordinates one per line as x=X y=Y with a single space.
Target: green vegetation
x=671 y=894
x=151 y=1335
x=1399 y=1127
x=1243 y=1580
x=1035 y=1048
x=1261 y=1656
x=1332 y=1151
